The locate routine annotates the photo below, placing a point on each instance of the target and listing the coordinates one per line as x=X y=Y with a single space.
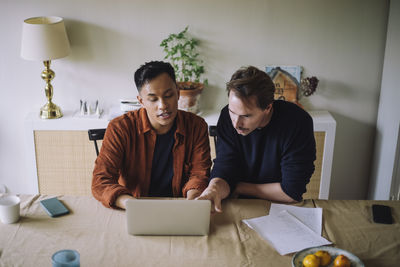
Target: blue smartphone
x=54 y=207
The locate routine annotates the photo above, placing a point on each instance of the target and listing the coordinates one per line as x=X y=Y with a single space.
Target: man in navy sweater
x=265 y=147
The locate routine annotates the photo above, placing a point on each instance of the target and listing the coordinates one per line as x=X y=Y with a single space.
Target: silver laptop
x=168 y=217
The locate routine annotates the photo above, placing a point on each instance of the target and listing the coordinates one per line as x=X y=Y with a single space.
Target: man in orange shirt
x=157 y=150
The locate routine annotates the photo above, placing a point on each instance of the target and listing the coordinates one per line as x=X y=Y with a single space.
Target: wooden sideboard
x=61 y=158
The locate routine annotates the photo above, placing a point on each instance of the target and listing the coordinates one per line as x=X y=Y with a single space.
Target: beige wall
x=340 y=42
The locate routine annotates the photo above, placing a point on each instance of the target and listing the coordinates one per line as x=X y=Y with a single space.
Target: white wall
x=340 y=42
x=385 y=164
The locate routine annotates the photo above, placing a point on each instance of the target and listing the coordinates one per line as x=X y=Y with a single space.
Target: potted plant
x=181 y=51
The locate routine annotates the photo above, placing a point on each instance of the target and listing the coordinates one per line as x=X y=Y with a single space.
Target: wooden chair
x=212 y=130
x=96 y=135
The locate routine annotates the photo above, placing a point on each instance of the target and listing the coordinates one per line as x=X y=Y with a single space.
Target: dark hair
x=250 y=81
x=151 y=70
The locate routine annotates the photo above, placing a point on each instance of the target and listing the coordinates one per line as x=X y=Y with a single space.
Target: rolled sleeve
x=105 y=186
x=198 y=169
x=227 y=162
x=298 y=160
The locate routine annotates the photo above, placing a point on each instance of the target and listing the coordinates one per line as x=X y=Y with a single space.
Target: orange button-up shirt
x=125 y=159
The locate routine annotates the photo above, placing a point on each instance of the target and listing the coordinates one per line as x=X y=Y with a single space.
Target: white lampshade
x=44 y=38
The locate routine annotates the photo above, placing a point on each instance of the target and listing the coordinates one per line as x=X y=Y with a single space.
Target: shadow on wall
x=212 y=55
x=353 y=153
x=333 y=91
x=101 y=58
x=326 y=95
x=374 y=171
x=210 y=98
x=104 y=47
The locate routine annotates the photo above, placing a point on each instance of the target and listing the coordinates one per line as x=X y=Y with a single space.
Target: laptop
x=168 y=217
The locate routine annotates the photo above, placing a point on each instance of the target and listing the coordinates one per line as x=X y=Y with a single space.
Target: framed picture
x=287 y=81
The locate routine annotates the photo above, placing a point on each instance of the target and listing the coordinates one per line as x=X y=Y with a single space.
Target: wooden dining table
x=99 y=235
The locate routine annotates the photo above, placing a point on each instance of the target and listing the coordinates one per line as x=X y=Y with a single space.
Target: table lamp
x=45 y=38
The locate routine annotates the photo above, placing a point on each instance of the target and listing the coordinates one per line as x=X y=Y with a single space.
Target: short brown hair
x=250 y=81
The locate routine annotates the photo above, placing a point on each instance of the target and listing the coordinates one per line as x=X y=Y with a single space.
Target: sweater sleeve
x=198 y=169
x=105 y=186
x=227 y=161
x=299 y=154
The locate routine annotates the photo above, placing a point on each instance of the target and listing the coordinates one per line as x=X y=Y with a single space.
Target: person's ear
x=140 y=99
x=269 y=108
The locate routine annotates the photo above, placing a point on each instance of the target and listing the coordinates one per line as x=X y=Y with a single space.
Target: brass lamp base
x=50 y=111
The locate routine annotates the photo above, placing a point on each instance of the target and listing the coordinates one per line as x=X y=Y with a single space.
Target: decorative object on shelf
x=89 y=109
x=289 y=84
x=308 y=85
x=129 y=104
x=286 y=80
x=45 y=39
x=181 y=51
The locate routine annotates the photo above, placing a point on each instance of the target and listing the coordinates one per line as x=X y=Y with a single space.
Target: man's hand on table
x=217 y=190
x=192 y=194
x=120 y=202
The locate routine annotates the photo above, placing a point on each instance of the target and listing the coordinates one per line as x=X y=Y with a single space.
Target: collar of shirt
x=145 y=126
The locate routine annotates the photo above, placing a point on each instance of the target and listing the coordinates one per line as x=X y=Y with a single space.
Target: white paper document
x=285 y=232
x=312 y=217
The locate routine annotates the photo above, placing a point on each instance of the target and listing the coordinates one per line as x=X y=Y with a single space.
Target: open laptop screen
x=168 y=217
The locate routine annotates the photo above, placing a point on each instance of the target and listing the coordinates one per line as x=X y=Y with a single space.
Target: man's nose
x=162 y=104
x=236 y=122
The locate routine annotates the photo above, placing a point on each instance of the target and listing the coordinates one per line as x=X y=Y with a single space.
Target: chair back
x=96 y=135
x=212 y=129
x=212 y=132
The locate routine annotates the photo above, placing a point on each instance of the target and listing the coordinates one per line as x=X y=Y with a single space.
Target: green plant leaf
x=181 y=50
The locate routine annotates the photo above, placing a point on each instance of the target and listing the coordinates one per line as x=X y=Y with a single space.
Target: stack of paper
x=290 y=229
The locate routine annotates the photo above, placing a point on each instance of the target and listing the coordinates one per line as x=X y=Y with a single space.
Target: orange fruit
x=341 y=261
x=311 y=261
x=324 y=256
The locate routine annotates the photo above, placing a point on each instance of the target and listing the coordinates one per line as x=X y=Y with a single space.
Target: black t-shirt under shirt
x=162 y=168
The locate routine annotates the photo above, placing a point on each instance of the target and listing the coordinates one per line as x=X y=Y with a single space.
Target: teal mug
x=66 y=258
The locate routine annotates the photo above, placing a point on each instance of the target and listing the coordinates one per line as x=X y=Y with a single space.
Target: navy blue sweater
x=283 y=151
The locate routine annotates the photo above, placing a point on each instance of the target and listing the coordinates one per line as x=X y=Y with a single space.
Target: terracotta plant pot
x=189 y=98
